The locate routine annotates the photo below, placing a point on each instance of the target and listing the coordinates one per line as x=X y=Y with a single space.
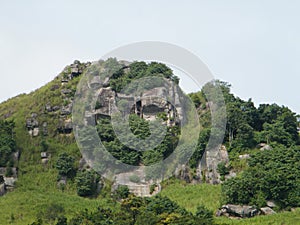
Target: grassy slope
x=34 y=195
x=190 y=196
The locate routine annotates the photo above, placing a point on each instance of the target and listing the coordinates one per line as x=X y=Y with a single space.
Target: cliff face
x=207 y=169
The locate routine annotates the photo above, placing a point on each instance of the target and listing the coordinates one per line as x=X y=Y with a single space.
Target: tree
x=121 y=192
x=204 y=214
x=65 y=165
x=87 y=183
x=7 y=142
x=62 y=220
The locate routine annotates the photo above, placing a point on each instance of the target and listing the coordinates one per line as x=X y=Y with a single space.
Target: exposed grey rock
x=141 y=189
x=107 y=101
x=55 y=108
x=230 y=175
x=182 y=172
x=13 y=170
x=271 y=204
x=264 y=146
x=66 y=110
x=45 y=129
x=2 y=189
x=96 y=82
x=238 y=211
x=10 y=182
x=83 y=164
x=54 y=87
x=44 y=155
x=48 y=107
x=66 y=91
x=106 y=82
x=32 y=123
x=45 y=161
x=245 y=156
x=62 y=181
x=35 y=132
x=267 y=211
x=16 y=156
x=65 y=126
x=34 y=115
x=64 y=81
x=207 y=169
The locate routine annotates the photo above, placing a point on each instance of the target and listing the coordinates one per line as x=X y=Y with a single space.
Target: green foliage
x=204 y=214
x=50 y=213
x=7 y=142
x=152 y=188
x=272 y=175
x=65 y=165
x=87 y=183
x=138 y=70
x=200 y=149
x=121 y=192
x=222 y=169
x=44 y=146
x=61 y=220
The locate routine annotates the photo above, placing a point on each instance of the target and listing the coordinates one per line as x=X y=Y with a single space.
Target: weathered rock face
x=207 y=170
x=66 y=110
x=9 y=182
x=32 y=125
x=141 y=188
x=65 y=126
x=2 y=189
x=146 y=106
x=238 y=211
x=183 y=173
x=267 y=211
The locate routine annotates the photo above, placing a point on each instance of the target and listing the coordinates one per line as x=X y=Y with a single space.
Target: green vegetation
x=38 y=199
x=7 y=143
x=272 y=175
x=139 y=70
x=87 y=182
x=65 y=165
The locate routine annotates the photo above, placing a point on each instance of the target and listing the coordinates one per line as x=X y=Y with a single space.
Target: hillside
x=52 y=183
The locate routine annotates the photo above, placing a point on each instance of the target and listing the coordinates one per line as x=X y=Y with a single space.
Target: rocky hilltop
x=43 y=118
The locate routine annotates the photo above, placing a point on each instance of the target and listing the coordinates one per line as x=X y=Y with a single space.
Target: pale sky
x=252 y=44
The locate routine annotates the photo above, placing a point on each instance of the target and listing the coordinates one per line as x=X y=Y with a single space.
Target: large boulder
x=238 y=211
x=267 y=211
x=10 y=181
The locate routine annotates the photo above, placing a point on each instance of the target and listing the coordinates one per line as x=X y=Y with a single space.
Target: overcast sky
x=254 y=44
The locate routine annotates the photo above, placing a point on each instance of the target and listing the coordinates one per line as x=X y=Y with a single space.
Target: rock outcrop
x=267 y=211
x=141 y=188
x=207 y=169
x=238 y=211
x=32 y=125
